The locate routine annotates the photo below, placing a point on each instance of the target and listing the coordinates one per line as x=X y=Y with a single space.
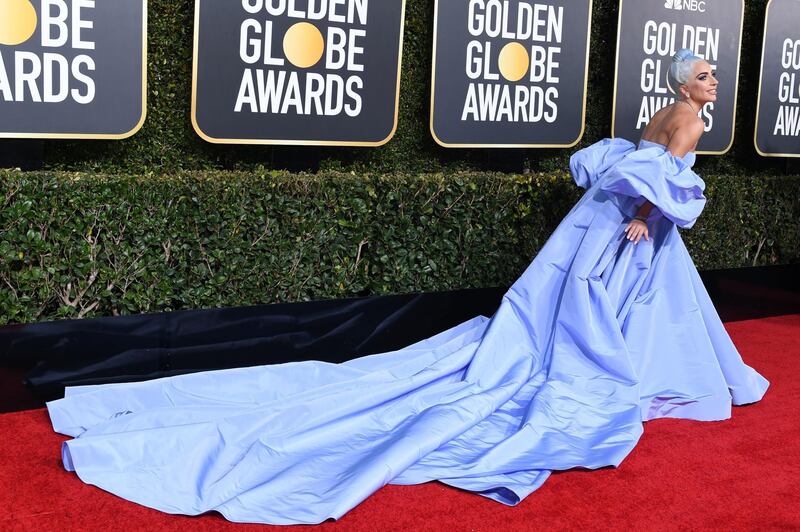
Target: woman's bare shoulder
x=686 y=132
x=675 y=126
x=680 y=116
x=686 y=122
x=663 y=123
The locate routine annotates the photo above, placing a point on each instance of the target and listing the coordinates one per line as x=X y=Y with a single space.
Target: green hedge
x=168 y=143
x=77 y=244
x=165 y=221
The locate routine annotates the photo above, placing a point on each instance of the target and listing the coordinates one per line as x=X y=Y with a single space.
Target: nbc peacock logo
x=698 y=6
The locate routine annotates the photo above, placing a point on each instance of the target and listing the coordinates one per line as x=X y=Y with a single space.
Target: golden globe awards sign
x=509 y=73
x=649 y=34
x=322 y=72
x=778 y=112
x=72 y=68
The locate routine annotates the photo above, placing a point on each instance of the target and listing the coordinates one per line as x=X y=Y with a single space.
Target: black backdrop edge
x=38 y=360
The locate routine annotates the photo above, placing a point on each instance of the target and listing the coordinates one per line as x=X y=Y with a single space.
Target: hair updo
x=681 y=68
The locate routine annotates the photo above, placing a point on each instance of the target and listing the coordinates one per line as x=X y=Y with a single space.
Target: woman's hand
x=635 y=230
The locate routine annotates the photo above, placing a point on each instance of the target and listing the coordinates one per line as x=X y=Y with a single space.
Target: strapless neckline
x=689 y=158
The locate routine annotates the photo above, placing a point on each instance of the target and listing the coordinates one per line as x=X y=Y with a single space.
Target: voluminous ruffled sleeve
x=668 y=182
x=590 y=163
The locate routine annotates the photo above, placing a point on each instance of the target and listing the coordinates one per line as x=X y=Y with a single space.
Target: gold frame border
x=735 y=89
x=758 y=98
x=291 y=142
x=585 y=91
x=106 y=136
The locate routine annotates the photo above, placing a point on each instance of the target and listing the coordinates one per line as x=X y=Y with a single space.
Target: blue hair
x=681 y=68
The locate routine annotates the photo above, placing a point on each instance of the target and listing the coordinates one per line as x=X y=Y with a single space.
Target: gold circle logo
x=17 y=21
x=303 y=45
x=514 y=61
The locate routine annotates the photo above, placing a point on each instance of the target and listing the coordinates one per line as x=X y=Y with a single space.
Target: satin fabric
x=596 y=336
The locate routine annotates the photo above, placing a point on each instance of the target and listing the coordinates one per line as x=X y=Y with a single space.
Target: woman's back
x=670 y=121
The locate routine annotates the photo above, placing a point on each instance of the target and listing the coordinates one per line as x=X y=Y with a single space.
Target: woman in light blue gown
x=609 y=326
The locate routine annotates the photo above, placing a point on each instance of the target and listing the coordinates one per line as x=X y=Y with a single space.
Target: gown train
x=595 y=337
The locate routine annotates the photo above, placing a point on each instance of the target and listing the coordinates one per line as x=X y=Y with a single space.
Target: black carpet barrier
x=55 y=354
x=38 y=360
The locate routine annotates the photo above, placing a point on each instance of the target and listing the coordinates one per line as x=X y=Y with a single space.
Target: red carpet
x=738 y=474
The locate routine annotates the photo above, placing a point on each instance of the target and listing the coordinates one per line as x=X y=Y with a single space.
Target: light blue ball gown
x=596 y=336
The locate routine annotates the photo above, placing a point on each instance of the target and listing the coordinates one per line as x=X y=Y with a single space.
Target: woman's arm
x=645 y=209
x=683 y=140
x=685 y=137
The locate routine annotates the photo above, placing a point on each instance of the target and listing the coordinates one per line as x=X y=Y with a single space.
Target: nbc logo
x=688 y=5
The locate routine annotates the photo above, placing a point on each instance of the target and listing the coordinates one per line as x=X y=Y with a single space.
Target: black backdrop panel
x=778 y=112
x=48 y=356
x=650 y=32
x=140 y=347
x=294 y=76
x=77 y=71
x=478 y=45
